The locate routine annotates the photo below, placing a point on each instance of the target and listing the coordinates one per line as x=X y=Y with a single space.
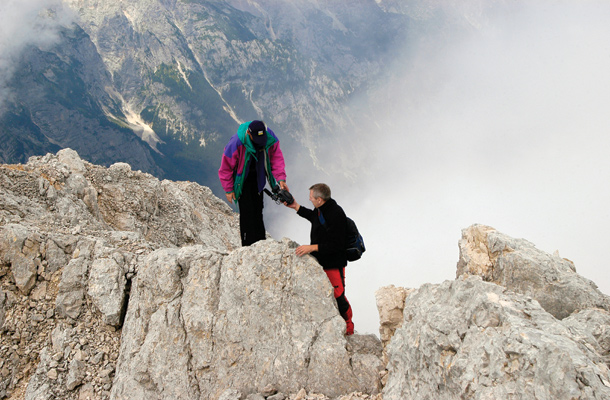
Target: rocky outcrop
x=516 y=264
x=472 y=339
x=390 y=304
x=72 y=235
x=201 y=321
x=536 y=329
x=592 y=327
x=62 y=194
x=117 y=285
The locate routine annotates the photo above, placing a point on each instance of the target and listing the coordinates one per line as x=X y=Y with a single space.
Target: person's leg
x=251 y=225
x=336 y=277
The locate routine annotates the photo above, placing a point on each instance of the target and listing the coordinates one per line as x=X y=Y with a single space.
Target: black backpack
x=355 y=243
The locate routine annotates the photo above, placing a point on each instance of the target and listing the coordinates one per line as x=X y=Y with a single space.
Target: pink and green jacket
x=237 y=154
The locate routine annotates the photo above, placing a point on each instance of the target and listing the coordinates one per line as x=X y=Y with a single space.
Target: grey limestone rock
x=230 y=394
x=20 y=248
x=207 y=318
x=56 y=252
x=66 y=263
x=106 y=286
x=76 y=373
x=366 y=353
x=472 y=339
x=519 y=266
x=71 y=160
x=592 y=328
x=2 y=302
x=99 y=199
x=390 y=304
x=59 y=338
x=201 y=322
x=39 y=387
x=72 y=288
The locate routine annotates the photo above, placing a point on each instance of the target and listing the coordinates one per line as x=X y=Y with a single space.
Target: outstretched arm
x=295 y=206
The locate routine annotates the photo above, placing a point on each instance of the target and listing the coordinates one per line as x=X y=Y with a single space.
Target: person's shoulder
x=332 y=202
x=273 y=143
x=234 y=143
x=335 y=206
x=236 y=139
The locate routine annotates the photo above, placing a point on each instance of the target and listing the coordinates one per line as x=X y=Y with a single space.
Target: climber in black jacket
x=328 y=243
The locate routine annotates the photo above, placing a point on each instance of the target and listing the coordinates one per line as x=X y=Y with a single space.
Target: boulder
x=20 y=248
x=76 y=374
x=366 y=358
x=56 y=252
x=71 y=160
x=39 y=386
x=390 y=304
x=107 y=287
x=518 y=265
x=201 y=322
x=73 y=284
x=472 y=339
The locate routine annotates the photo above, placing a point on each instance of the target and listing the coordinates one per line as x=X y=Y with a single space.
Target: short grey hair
x=320 y=190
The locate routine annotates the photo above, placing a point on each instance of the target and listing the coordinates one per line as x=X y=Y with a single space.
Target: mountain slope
x=181 y=75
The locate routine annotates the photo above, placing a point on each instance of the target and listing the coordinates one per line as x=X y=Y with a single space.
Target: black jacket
x=330 y=237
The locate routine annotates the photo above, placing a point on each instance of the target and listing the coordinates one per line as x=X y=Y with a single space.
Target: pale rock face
x=390 y=304
x=472 y=339
x=201 y=322
x=517 y=265
x=475 y=258
x=204 y=314
x=64 y=257
x=20 y=248
x=122 y=286
x=592 y=328
x=106 y=286
x=115 y=253
x=71 y=159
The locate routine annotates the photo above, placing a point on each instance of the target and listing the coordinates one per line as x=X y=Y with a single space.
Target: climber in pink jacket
x=250 y=159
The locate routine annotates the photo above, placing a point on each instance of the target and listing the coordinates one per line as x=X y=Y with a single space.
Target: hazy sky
x=508 y=126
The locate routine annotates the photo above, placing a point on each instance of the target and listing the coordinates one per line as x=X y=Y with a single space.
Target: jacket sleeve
x=228 y=164
x=307 y=213
x=276 y=157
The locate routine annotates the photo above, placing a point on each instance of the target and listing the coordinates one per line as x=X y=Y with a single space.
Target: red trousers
x=337 y=279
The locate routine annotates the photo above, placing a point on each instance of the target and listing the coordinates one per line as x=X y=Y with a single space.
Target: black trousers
x=251 y=225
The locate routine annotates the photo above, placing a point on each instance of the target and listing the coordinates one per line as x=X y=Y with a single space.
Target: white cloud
x=506 y=126
x=26 y=23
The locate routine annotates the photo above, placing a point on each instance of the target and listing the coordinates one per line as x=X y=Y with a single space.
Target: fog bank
x=505 y=124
